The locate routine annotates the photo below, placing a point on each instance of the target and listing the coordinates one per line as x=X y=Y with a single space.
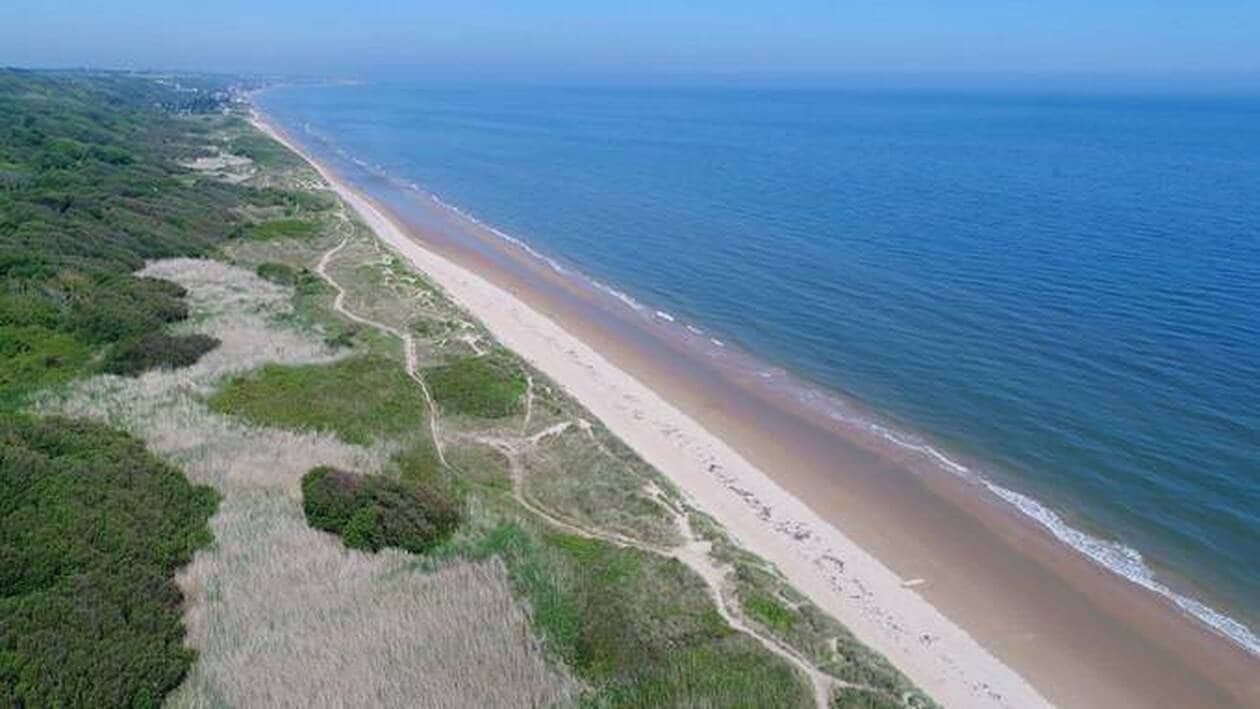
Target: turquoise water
x=1063 y=290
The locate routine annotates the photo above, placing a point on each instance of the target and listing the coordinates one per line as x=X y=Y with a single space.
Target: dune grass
x=767 y=610
x=359 y=399
x=640 y=630
x=487 y=387
x=282 y=229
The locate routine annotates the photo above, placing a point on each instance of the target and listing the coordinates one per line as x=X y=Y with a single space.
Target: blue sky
x=558 y=38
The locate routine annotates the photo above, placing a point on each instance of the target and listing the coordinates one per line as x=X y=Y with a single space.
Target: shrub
x=158 y=350
x=278 y=273
x=31 y=357
x=372 y=511
x=489 y=386
x=92 y=530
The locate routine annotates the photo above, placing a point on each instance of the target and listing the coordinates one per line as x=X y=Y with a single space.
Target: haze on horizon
x=1137 y=39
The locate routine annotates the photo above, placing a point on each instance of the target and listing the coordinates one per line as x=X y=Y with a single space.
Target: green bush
x=278 y=273
x=158 y=350
x=92 y=530
x=32 y=357
x=489 y=386
x=372 y=512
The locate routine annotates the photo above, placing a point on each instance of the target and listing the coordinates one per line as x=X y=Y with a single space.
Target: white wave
x=619 y=295
x=515 y=241
x=1127 y=562
x=1113 y=556
x=695 y=330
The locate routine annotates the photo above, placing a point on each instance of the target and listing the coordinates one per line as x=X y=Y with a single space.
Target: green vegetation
x=358 y=399
x=90 y=187
x=32 y=357
x=278 y=273
x=262 y=150
x=158 y=350
x=290 y=202
x=372 y=511
x=92 y=529
x=489 y=386
x=639 y=628
x=282 y=229
x=857 y=698
x=768 y=611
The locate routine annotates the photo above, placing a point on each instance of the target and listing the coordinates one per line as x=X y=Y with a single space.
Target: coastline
x=1075 y=631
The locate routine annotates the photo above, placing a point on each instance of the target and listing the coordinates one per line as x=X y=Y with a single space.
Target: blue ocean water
x=1064 y=288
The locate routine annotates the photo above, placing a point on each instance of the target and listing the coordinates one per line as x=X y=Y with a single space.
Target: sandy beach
x=975 y=604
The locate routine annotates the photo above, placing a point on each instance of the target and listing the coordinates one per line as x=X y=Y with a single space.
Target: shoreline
x=1079 y=633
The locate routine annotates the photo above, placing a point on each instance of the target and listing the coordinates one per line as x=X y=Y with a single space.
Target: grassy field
x=487 y=386
x=359 y=399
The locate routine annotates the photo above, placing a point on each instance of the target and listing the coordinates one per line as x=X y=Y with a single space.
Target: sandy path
x=695 y=554
x=411 y=361
x=819 y=560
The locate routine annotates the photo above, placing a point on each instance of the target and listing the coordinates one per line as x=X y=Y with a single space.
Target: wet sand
x=1078 y=634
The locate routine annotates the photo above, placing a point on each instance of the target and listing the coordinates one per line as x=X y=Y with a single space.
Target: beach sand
x=973 y=602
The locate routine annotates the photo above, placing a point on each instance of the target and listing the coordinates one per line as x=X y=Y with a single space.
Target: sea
x=1056 y=292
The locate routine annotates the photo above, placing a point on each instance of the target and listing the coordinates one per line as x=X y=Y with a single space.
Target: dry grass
x=279 y=613
x=285 y=615
x=576 y=472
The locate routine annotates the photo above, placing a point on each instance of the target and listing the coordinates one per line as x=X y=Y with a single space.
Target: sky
x=544 y=39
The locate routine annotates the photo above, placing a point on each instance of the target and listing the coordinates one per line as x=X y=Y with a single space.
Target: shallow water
x=1062 y=291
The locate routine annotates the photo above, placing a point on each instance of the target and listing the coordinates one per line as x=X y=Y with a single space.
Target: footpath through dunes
x=514 y=442
x=844 y=580
x=694 y=553
x=281 y=613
